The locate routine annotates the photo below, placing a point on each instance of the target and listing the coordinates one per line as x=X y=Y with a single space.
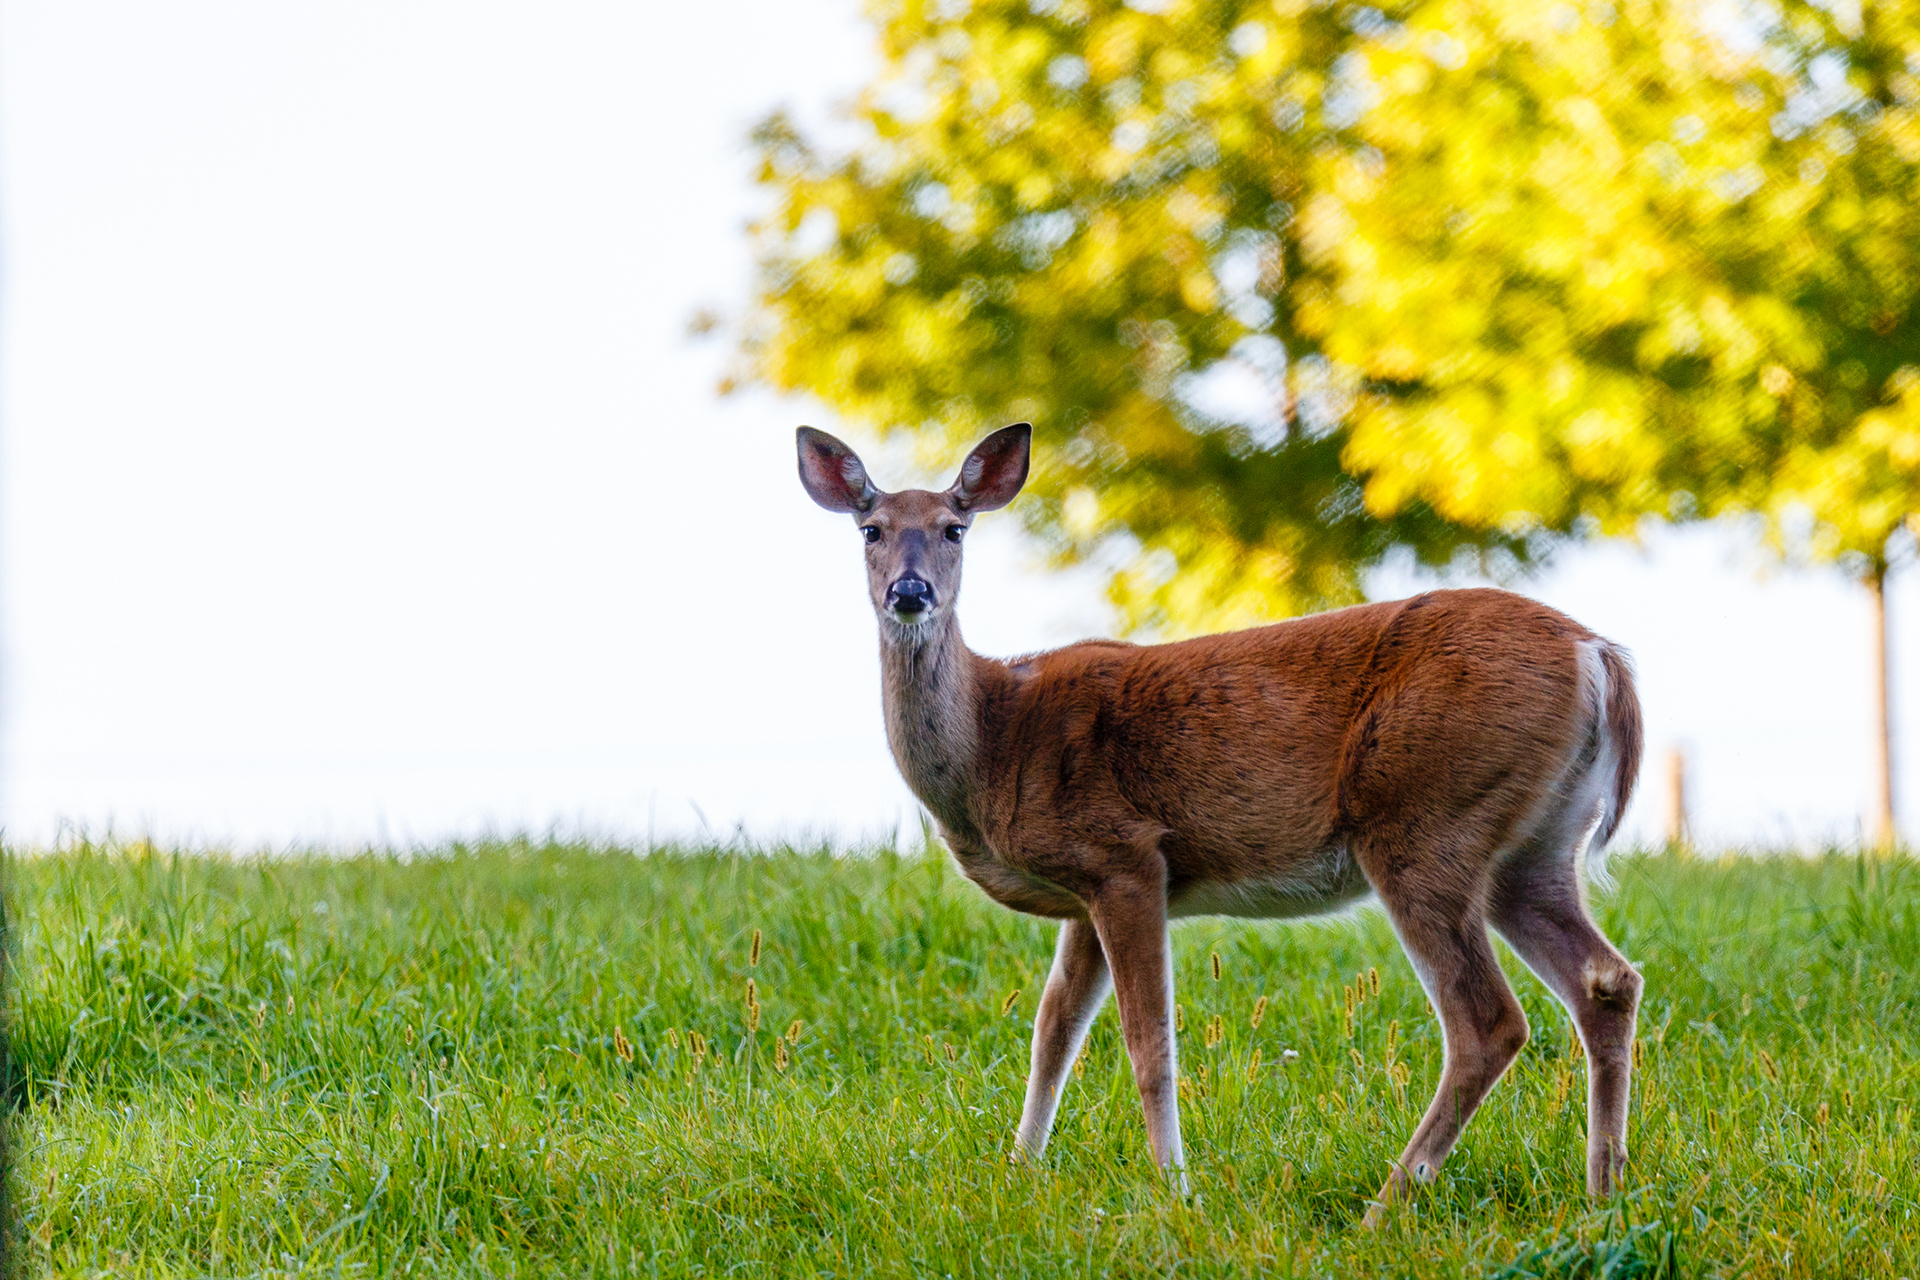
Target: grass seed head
x=793 y=1032
x=1766 y=1064
x=1373 y=979
x=1179 y=1017
x=1347 y=998
x=951 y=1055
x=1259 y=1012
x=753 y=952
x=1359 y=989
x=1080 y=1066
x=1006 y=1005
x=926 y=1047
x=1253 y=1066
x=621 y=1045
x=1393 y=1039
x=673 y=1038
x=1215 y=962
x=779 y=1055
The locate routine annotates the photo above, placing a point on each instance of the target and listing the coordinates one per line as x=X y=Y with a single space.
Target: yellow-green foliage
x=1059 y=211
x=1629 y=259
x=528 y=1060
x=1541 y=270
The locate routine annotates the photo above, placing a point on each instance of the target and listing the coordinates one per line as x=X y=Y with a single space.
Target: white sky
x=358 y=483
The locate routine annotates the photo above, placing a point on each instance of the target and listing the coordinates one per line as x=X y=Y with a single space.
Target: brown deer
x=1456 y=755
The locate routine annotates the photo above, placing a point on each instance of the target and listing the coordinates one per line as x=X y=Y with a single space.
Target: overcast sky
x=358 y=481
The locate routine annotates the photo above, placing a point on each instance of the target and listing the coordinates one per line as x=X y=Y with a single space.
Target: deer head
x=914 y=538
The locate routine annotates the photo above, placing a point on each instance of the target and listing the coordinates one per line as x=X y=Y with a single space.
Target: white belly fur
x=1330 y=882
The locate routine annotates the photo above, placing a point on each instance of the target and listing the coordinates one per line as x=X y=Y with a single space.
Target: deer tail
x=1622 y=739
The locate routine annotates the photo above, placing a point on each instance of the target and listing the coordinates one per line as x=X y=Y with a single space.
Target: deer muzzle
x=910 y=599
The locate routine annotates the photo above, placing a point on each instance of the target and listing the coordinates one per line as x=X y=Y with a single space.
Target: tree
x=1595 y=265
x=1063 y=213
x=1511 y=272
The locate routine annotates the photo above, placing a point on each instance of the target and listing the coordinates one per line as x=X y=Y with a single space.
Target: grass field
x=523 y=1060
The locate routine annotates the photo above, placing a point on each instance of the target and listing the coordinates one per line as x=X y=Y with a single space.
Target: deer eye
x=955 y=532
x=870 y=533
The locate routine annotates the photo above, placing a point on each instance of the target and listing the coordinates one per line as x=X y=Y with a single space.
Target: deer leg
x=1483 y=1028
x=1076 y=989
x=1131 y=917
x=1537 y=908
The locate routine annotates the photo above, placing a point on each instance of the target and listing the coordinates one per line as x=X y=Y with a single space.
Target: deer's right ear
x=833 y=474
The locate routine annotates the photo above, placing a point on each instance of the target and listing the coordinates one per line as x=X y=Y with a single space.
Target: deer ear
x=833 y=474
x=995 y=470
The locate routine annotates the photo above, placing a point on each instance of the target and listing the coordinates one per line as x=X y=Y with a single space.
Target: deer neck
x=931 y=691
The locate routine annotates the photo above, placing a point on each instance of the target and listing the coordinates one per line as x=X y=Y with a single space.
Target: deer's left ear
x=996 y=469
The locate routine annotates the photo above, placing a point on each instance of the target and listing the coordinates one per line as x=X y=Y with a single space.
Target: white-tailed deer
x=1457 y=755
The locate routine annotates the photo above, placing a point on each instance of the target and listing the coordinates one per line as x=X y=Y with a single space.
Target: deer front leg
x=1076 y=989
x=1131 y=917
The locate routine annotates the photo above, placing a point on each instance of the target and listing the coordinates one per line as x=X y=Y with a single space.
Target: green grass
x=417 y=1065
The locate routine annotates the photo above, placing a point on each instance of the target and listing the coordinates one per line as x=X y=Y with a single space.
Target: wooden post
x=1679 y=830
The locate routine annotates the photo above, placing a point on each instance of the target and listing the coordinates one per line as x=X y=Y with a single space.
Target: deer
x=1459 y=758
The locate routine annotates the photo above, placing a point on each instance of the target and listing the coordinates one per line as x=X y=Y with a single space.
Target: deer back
x=1254 y=754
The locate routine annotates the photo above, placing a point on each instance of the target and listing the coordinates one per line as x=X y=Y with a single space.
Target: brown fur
x=1452 y=753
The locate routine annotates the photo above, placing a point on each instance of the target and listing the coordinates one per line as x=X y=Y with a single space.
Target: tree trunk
x=1881 y=816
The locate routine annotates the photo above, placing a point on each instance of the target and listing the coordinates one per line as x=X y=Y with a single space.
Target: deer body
x=1455 y=755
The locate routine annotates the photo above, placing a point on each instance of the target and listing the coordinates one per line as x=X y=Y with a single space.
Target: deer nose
x=910 y=595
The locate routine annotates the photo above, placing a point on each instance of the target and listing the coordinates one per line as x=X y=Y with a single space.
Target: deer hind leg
x=1076 y=989
x=1444 y=933
x=1537 y=908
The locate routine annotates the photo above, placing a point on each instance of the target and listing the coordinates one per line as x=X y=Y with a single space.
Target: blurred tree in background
x=1065 y=213
x=1289 y=287
x=1592 y=265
